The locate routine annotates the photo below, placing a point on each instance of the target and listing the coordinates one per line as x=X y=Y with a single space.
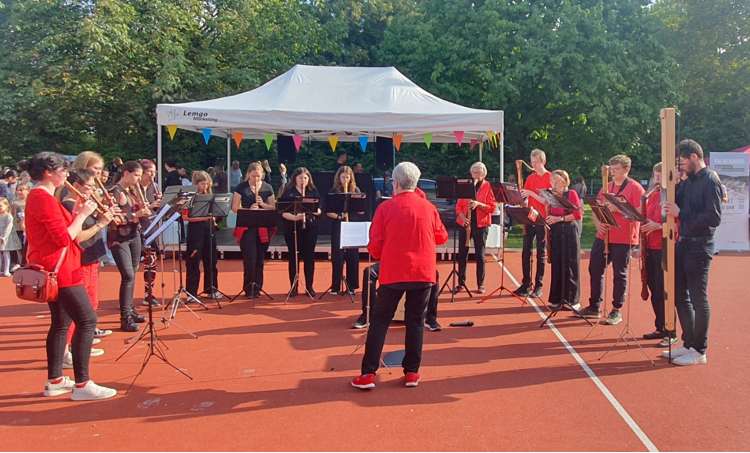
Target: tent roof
x=743 y=149
x=316 y=101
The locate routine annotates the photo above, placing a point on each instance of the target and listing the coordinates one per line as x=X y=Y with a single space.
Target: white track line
x=594 y=378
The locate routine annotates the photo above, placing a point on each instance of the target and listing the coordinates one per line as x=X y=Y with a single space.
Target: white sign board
x=734 y=171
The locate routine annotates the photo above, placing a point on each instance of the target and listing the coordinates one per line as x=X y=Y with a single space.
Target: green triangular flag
x=428 y=139
x=269 y=140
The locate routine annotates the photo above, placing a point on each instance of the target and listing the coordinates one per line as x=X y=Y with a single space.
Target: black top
x=699 y=200
x=248 y=196
x=130 y=229
x=353 y=216
x=291 y=195
x=93 y=248
x=173 y=179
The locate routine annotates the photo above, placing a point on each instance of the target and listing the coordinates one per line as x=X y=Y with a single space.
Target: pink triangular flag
x=459 y=137
x=297 y=141
x=473 y=142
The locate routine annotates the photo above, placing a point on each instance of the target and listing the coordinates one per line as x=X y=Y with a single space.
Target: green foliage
x=581 y=79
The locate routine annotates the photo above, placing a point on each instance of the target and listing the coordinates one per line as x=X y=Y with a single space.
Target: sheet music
x=163 y=227
x=156 y=218
x=355 y=234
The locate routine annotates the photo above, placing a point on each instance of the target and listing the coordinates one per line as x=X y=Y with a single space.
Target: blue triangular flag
x=206 y=134
x=363 y=142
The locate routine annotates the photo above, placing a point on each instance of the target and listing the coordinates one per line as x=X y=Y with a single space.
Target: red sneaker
x=411 y=379
x=364 y=382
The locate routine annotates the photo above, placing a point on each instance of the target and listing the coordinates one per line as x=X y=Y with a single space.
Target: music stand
x=212 y=206
x=345 y=203
x=295 y=206
x=627 y=211
x=451 y=188
x=255 y=218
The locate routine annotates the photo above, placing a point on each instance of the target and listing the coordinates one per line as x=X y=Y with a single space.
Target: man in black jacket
x=173 y=177
x=698 y=210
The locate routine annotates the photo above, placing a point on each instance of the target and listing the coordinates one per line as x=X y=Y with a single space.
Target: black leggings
x=306 y=240
x=127 y=255
x=253 y=256
x=72 y=305
x=198 y=241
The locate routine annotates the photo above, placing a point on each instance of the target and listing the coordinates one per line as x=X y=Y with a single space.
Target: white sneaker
x=64 y=386
x=91 y=391
x=5 y=274
x=96 y=341
x=676 y=352
x=691 y=358
x=98 y=333
x=15 y=268
x=576 y=306
x=95 y=352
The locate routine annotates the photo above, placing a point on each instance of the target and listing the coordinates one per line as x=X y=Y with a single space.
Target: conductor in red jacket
x=403 y=236
x=474 y=215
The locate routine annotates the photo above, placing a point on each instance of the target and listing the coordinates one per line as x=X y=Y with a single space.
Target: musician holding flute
x=200 y=247
x=125 y=239
x=651 y=256
x=475 y=217
x=81 y=187
x=301 y=185
x=619 y=239
x=343 y=182
x=566 y=245
x=253 y=193
x=540 y=179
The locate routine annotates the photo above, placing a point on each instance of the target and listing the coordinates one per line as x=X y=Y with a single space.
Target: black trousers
x=339 y=257
x=479 y=235
x=253 y=257
x=619 y=256
x=201 y=249
x=21 y=254
x=655 y=283
x=693 y=260
x=417 y=295
x=306 y=240
x=369 y=284
x=127 y=255
x=531 y=233
x=566 y=251
x=72 y=305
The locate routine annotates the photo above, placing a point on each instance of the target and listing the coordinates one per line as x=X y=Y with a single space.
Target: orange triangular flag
x=397 y=141
x=237 y=137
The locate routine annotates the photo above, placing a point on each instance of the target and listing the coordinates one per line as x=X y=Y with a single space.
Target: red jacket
x=484 y=215
x=403 y=236
x=47 y=235
x=627 y=232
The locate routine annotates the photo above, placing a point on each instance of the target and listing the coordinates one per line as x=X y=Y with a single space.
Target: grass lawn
x=515 y=237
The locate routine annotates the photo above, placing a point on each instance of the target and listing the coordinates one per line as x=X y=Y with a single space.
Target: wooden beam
x=669 y=178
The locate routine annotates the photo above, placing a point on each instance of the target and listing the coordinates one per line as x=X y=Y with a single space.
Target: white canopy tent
x=317 y=101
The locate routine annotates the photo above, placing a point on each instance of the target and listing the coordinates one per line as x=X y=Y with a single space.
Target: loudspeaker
x=384 y=152
x=285 y=146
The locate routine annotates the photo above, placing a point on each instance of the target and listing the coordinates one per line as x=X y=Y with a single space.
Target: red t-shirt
x=403 y=236
x=484 y=215
x=653 y=213
x=536 y=182
x=47 y=236
x=573 y=198
x=626 y=232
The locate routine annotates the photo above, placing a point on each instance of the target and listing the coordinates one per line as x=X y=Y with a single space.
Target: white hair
x=479 y=166
x=406 y=174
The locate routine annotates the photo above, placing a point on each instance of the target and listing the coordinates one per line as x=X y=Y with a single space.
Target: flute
x=119 y=218
x=100 y=208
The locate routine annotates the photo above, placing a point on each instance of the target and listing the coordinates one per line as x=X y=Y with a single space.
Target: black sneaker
x=128 y=325
x=655 y=335
x=311 y=292
x=522 y=291
x=537 y=293
x=433 y=326
x=352 y=292
x=360 y=323
x=554 y=307
x=137 y=317
x=590 y=312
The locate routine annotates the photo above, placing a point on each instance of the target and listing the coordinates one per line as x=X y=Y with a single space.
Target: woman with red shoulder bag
x=50 y=232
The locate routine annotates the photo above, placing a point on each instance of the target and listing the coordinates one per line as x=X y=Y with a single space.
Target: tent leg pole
x=159 y=165
x=229 y=158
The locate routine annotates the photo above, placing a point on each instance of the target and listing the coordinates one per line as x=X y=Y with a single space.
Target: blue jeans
x=693 y=260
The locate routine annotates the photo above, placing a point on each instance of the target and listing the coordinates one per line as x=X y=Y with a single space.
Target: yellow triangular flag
x=333 y=140
x=171 y=129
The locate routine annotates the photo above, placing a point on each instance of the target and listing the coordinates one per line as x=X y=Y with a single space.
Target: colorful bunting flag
x=333 y=140
x=397 y=141
x=268 y=138
x=428 y=139
x=171 y=129
x=206 y=135
x=472 y=143
x=297 y=141
x=237 y=136
x=363 y=139
x=459 y=137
